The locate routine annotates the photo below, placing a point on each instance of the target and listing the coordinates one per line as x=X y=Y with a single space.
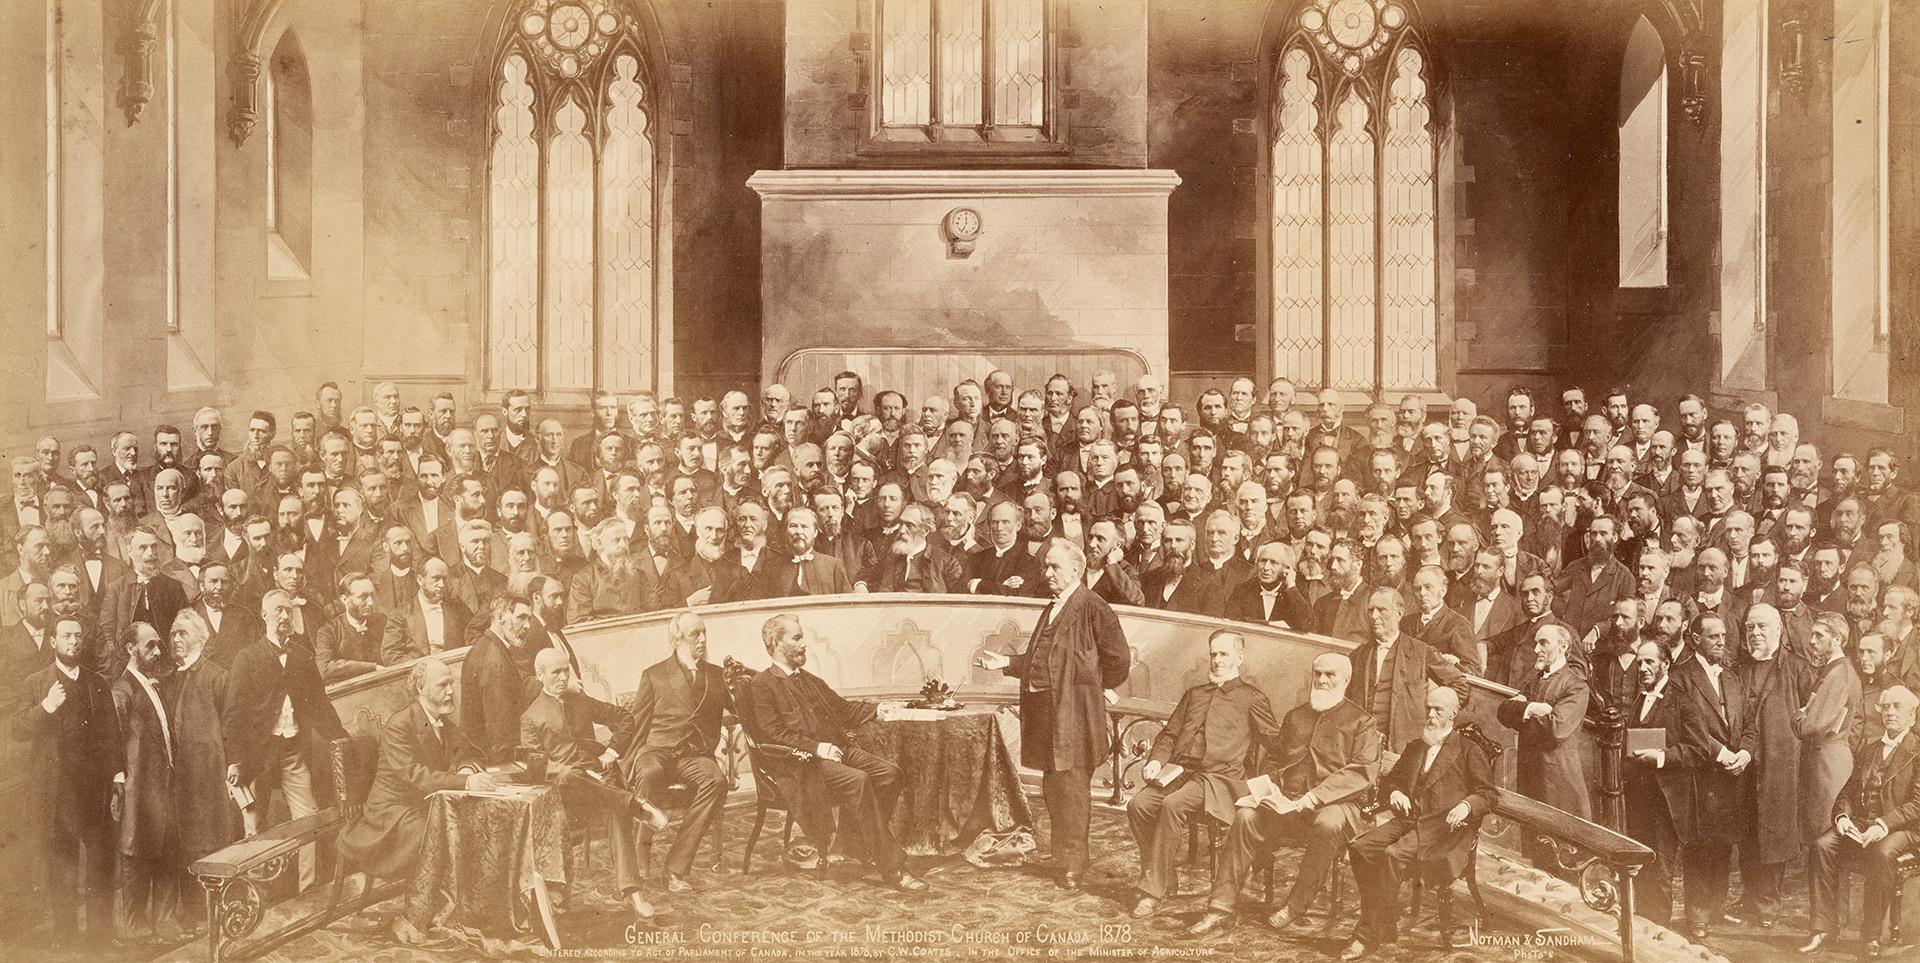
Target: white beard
x=1433 y=735
x=1323 y=699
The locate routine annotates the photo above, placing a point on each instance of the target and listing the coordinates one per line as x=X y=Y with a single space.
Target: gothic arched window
x=1643 y=159
x=573 y=202
x=1351 y=167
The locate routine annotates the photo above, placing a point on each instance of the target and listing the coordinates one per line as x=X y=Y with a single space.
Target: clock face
x=1351 y=22
x=569 y=26
x=964 y=223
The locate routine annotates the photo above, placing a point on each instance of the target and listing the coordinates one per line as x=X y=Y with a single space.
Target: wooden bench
x=236 y=878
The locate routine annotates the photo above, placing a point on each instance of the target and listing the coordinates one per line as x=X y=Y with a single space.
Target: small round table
x=958 y=779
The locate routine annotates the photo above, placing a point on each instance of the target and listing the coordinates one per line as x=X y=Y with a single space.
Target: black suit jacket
x=121 y=605
x=338 y=643
x=493 y=693
x=993 y=572
x=1449 y=633
x=1700 y=725
x=1343 y=618
x=257 y=684
x=823 y=575
x=1460 y=772
x=1118 y=586
x=937 y=571
x=676 y=712
x=75 y=753
x=1077 y=649
x=414 y=763
x=1289 y=606
x=1198 y=593
x=1411 y=664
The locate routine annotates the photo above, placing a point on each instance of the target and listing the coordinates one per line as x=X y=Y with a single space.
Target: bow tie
x=799 y=559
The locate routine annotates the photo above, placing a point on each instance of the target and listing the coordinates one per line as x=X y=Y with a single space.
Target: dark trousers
x=863 y=786
x=652 y=771
x=1069 y=797
x=1326 y=830
x=1159 y=819
x=79 y=874
x=1381 y=856
x=1706 y=868
x=606 y=800
x=149 y=891
x=1651 y=823
x=1827 y=878
x=1762 y=885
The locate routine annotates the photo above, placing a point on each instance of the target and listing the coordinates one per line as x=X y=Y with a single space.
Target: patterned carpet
x=1012 y=913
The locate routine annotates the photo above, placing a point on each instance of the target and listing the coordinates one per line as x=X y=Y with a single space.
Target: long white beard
x=1432 y=735
x=1323 y=699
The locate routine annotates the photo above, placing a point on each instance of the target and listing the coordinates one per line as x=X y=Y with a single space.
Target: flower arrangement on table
x=935 y=694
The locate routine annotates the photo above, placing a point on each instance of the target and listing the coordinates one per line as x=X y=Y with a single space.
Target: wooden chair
x=353 y=762
x=768 y=792
x=1493 y=750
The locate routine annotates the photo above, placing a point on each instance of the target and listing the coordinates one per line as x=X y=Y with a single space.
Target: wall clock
x=962 y=226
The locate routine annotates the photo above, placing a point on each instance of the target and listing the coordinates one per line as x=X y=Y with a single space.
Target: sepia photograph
x=1315 y=481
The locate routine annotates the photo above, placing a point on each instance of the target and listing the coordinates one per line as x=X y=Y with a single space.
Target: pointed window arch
x=1643 y=159
x=575 y=188
x=1353 y=200
x=289 y=143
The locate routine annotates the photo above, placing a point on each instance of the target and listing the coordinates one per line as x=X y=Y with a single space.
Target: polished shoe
x=1699 y=933
x=1814 y=943
x=677 y=884
x=1208 y=923
x=1146 y=907
x=909 y=883
x=641 y=907
x=1354 y=951
x=1733 y=918
x=1281 y=918
x=1872 y=951
x=1070 y=880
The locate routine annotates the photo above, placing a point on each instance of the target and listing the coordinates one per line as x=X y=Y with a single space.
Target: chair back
x=1487 y=743
x=766 y=784
x=354 y=760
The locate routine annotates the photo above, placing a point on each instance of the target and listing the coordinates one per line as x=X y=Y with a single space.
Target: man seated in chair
x=1873 y=825
x=558 y=724
x=1197 y=765
x=1327 y=754
x=1438 y=790
x=422 y=752
x=797 y=709
x=677 y=715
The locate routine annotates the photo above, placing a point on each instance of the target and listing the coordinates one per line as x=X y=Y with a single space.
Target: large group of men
x=169 y=623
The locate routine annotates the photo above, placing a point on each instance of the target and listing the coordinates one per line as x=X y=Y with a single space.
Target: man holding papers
x=1327 y=755
x=1872 y=821
x=1197 y=764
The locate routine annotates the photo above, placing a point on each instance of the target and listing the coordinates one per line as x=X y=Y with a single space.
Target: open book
x=1261 y=790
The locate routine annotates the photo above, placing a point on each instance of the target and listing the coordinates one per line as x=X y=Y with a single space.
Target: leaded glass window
x=573 y=283
x=962 y=70
x=1353 y=201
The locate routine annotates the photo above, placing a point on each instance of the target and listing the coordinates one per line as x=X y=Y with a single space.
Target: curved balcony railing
x=882 y=646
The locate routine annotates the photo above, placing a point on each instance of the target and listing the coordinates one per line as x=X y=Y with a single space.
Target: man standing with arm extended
x=1077 y=650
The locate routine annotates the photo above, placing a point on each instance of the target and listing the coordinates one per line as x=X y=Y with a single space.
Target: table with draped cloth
x=957 y=779
x=487 y=861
